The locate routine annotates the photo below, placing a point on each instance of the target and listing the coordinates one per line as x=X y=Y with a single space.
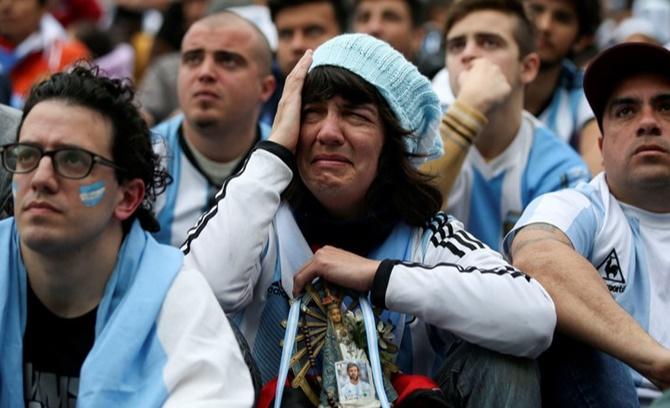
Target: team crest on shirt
x=610 y=270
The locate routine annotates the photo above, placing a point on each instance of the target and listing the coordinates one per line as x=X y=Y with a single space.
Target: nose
x=330 y=130
x=44 y=176
x=298 y=45
x=374 y=27
x=542 y=21
x=206 y=70
x=648 y=125
x=470 y=52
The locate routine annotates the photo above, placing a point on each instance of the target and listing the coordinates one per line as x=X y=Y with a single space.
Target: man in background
x=556 y=96
x=498 y=157
x=224 y=79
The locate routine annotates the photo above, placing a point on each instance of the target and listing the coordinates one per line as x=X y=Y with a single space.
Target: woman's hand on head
x=286 y=127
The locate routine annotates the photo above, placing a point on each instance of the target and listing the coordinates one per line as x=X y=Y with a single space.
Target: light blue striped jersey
x=488 y=197
x=628 y=247
x=191 y=192
x=568 y=111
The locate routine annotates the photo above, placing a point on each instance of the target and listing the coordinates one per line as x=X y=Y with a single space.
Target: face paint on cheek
x=91 y=194
x=15 y=189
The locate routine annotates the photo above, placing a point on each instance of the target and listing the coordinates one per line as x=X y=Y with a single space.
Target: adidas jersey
x=568 y=111
x=443 y=280
x=488 y=197
x=191 y=192
x=628 y=246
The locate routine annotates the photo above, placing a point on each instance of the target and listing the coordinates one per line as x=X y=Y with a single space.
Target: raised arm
x=584 y=306
x=228 y=242
x=482 y=87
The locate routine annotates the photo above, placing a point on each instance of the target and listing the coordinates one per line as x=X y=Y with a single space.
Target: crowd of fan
x=493 y=171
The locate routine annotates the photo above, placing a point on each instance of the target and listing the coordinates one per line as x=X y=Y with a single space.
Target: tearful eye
x=360 y=117
x=310 y=114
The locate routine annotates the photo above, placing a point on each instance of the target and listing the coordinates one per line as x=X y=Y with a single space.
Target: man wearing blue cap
x=601 y=248
x=335 y=194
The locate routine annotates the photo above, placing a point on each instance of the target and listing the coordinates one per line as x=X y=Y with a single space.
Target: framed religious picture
x=354 y=381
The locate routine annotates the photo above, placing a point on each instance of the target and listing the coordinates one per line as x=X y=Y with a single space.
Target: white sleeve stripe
x=500 y=271
x=194 y=232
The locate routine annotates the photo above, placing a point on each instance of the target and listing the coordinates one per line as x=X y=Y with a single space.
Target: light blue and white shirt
x=160 y=336
x=191 y=192
x=569 y=111
x=628 y=246
x=489 y=196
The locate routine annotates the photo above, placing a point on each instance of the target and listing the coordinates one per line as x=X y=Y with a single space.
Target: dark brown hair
x=524 y=34
x=132 y=151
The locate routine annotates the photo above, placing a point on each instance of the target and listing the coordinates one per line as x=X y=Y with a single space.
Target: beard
x=204 y=124
x=548 y=64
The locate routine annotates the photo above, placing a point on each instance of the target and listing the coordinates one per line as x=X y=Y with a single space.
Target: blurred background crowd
x=140 y=39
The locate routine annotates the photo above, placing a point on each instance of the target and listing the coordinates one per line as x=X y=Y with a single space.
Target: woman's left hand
x=337 y=266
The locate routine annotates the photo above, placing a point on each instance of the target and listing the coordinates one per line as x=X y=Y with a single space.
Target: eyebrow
x=624 y=100
x=478 y=35
x=661 y=98
x=629 y=100
x=367 y=106
x=191 y=52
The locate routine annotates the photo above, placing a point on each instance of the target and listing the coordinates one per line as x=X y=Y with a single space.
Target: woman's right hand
x=286 y=127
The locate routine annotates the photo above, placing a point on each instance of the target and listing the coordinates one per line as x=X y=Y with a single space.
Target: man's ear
x=530 y=66
x=131 y=197
x=268 y=85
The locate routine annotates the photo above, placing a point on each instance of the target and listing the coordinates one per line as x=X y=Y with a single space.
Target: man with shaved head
x=224 y=79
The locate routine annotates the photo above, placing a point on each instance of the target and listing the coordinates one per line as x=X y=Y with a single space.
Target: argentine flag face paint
x=15 y=189
x=91 y=194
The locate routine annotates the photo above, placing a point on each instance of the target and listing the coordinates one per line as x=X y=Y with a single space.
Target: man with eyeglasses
x=9 y=120
x=94 y=311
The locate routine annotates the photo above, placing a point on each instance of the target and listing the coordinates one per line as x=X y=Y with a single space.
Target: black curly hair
x=84 y=85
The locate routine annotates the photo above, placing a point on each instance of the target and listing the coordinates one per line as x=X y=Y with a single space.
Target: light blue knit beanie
x=408 y=93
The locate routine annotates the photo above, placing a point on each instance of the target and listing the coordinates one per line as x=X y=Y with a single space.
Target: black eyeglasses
x=69 y=162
